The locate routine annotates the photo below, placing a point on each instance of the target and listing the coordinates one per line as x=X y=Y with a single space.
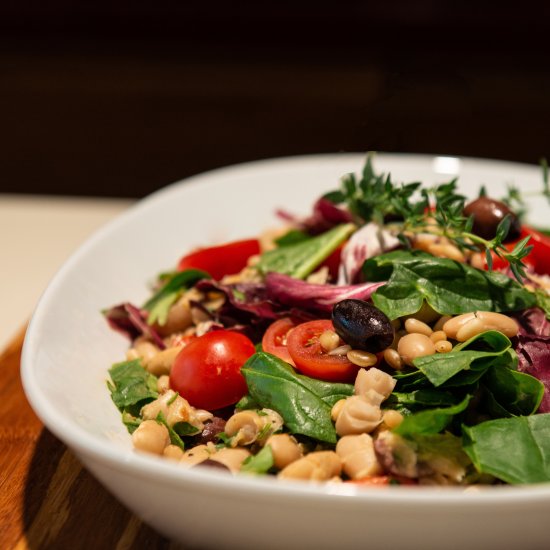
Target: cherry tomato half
x=207 y=370
x=275 y=339
x=310 y=358
x=225 y=259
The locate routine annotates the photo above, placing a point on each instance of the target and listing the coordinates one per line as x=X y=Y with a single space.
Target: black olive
x=362 y=325
x=488 y=213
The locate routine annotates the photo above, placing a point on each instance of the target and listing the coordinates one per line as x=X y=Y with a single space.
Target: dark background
x=122 y=98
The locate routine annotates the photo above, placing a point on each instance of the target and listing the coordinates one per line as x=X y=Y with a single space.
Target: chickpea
x=151 y=437
x=178 y=319
x=285 y=450
x=173 y=452
x=391 y=419
x=414 y=345
x=162 y=362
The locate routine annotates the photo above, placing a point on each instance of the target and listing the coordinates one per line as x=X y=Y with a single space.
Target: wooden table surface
x=47 y=499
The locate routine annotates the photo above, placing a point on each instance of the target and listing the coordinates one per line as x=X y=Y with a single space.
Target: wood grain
x=47 y=499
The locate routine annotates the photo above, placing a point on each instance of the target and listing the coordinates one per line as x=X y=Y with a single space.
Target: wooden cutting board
x=47 y=499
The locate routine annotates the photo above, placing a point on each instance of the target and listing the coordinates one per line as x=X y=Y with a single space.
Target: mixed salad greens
x=397 y=335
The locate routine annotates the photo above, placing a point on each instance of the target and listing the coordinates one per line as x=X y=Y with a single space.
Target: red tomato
x=274 y=340
x=333 y=262
x=207 y=370
x=310 y=358
x=225 y=259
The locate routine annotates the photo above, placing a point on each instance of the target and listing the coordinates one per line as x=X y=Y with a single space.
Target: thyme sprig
x=412 y=209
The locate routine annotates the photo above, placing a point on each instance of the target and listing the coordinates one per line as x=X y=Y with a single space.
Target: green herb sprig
x=375 y=197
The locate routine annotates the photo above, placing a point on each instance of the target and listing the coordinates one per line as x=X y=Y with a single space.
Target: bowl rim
x=89 y=446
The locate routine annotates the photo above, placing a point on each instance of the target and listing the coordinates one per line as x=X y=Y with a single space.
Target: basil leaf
x=131 y=385
x=300 y=259
x=273 y=384
x=260 y=463
x=430 y=421
x=515 y=450
x=441 y=367
x=449 y=287
x=159 y=304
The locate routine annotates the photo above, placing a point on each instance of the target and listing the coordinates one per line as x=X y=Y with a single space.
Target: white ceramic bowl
x=69 y=348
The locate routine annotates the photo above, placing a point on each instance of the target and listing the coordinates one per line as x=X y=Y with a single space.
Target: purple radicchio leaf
x=313 y=297
x=534 y=359
x=533 y=349
x=369 y=241
x=533 y=321
x=325 y=216
x=132 y=322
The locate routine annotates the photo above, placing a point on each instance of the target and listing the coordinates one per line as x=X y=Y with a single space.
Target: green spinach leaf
x=273 y=384
x=441 y=367
x=448 y=286
x=517 y=393
x=515 y=450
x=159 y=304
x=430 y=421
x=300 y=259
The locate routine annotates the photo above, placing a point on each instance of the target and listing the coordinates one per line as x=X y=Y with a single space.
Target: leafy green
x=175 y=438
x=376 y=196
x=184 y=429
x=448 y=286
x=515 y=450
x=159 y=304
x=305 y=404
x=543 y=301
x=513 y=392
x=131 y=385
x=246 y=402
x=300 y=259
x=476 y=354
x=292 y=237
x=424 y=397
x=430 y=421
x=259 y=463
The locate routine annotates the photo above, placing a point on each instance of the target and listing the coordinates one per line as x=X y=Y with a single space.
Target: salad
x=399 y=334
